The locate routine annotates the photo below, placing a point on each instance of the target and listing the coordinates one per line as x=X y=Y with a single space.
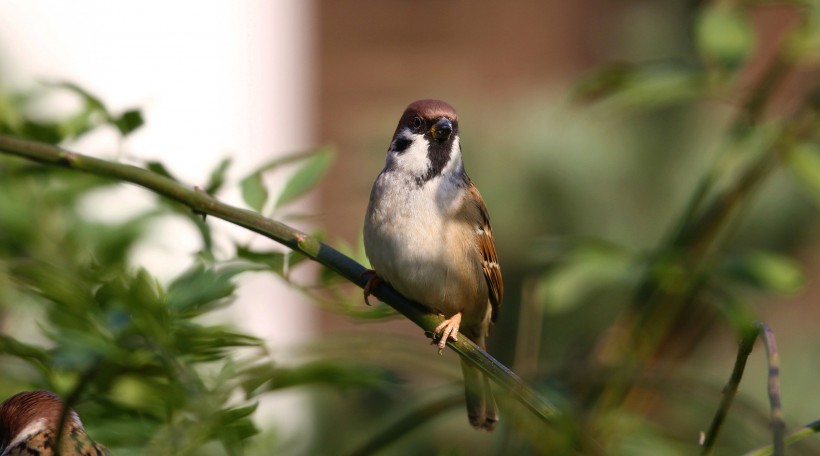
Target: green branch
x=294 y=239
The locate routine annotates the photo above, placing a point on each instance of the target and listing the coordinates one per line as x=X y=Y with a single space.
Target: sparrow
x=427 y=233
x=28 y=427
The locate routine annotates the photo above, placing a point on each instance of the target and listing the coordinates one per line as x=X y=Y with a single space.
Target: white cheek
x=413 y=160
x=30 y=429
x=455 y=157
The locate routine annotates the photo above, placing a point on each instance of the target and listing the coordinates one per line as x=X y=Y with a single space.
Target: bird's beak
x=442 y=129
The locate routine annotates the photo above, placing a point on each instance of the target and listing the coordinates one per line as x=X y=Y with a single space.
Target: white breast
x=416 y=244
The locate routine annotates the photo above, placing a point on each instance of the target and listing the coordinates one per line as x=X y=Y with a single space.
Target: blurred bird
x=28 y=427
x=427 y=233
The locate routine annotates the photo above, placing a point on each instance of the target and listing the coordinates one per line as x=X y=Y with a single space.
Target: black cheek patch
x=401 y=144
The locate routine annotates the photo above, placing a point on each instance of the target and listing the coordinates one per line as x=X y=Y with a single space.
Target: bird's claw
x=373 y=280
x=448 y=329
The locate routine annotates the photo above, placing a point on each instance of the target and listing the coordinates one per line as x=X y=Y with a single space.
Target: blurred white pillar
x=213 y=78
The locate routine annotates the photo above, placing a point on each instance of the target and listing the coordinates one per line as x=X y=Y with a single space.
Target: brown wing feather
x=486 y=245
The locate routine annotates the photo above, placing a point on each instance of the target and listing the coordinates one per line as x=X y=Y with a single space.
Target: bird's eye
x=417 y=123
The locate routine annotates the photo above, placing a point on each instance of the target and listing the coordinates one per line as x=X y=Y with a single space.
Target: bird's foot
x=373 y=280
x=448 y=329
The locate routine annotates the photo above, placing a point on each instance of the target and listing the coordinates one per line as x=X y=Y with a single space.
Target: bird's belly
x=413 y=257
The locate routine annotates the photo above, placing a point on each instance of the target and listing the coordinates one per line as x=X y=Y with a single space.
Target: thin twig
x=294 y=239
x=747 y=341
x=796 y=436
x=778 y=425
x=69 y=401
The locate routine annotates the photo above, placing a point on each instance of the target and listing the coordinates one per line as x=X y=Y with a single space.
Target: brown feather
x=39 y=412
x=486 y=245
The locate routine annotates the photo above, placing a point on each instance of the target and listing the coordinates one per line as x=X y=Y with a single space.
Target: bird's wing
x=486 y=245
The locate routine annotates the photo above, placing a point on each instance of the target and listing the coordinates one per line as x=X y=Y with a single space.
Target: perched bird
x=427 y=233
x=28 y=427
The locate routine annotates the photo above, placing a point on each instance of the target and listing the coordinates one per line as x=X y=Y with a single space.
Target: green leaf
x=724 y=35
x=662 y=86
x=603 y=82
x=590 y=267
x=56 y=284
x=768 y=271
x=235 y=424
x=91 y=101
x=160 y=169
x=217 y=178
x=285 y=160
x=200 y=343
x=200 y=288
x=237 y=413
x=338 y=374
x=641 y=87
x=737 y=312
x=129 y=121
x=804 y=40
x=254 y=192
x=306 y=177
x=31 y=353
x=804 y=161
x=273 y=260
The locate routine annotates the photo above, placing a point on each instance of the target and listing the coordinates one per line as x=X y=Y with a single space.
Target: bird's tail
x=481 y=408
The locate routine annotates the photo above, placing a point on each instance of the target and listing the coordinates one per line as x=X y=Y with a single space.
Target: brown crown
x=428 y=110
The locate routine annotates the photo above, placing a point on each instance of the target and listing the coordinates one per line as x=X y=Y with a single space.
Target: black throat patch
x=439 y=154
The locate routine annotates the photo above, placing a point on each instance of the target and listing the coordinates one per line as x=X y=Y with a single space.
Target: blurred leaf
x=235 y=425
x=114 y=242
x=284 y=160
x=804 y=161
x=723 y=34
x=655 y=87
x=198 y=343
x=338 y=374
x=91 y=101
x=307 y=176
x=31 y=353
x=589 y=267
x=804 y=40
x=217 y=178
x=767 y=271
x=93 y=114
x=54 y=283
x=200 y=289
x=79 y=351
x=159 y=168
x=603 y=81
x=738 y=313
x=273 y=260
x=48 y=132
x=642 y=86
x=129 y=121
x=254 y=192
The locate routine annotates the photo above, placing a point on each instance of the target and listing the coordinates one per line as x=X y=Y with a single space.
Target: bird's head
x=426 y=143
x=29 y=412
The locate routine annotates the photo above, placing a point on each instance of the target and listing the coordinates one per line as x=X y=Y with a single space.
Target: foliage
x=142 y=362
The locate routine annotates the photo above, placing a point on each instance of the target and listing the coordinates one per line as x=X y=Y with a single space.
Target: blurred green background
x=652 y=173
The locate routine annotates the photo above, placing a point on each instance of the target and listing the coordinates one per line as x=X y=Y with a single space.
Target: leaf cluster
x=140 y=359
